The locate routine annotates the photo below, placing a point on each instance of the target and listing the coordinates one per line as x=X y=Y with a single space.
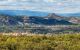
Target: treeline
x=36 y=42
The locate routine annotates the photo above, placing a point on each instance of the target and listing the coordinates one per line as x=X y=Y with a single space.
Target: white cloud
x=50 y=0
x=58 y=6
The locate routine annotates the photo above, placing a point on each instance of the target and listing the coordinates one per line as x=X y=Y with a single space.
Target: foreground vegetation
x=36 y=42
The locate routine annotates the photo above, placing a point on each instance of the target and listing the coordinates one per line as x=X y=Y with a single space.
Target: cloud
x=50 y=1
x=57 y=6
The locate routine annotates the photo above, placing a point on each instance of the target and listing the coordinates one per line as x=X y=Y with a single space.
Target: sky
x=55 y=6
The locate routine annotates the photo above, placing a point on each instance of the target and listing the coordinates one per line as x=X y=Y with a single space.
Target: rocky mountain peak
x=55 y=16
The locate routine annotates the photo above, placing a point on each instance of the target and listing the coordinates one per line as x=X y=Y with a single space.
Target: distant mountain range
x=51 y=19
x=15 y=17
x=70 y=14
x=34 y=13
x=23 y=13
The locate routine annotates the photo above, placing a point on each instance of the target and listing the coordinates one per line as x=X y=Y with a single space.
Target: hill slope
x=14 y=20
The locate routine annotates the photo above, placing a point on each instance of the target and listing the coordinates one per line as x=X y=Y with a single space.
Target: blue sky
x=56 y=6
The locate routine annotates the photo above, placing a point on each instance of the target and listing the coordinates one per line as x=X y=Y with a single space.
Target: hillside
x=49 y=20
x=35 y=24
x=41 y=42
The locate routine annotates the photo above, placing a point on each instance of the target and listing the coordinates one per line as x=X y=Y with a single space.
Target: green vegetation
x=36 y=42
x=39 y=30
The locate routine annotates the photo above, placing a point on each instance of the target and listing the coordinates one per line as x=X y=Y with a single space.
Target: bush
x=36 y=42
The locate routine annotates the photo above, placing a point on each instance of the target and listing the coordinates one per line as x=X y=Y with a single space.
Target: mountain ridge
x=36 y=24
x=35 y=13
x=51 y=19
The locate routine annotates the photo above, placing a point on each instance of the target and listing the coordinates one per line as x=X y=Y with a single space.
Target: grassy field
x=36 y=42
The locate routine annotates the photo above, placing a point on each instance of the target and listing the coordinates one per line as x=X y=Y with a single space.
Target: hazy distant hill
x=69 y=14
x=35 y=13
x=23 y=13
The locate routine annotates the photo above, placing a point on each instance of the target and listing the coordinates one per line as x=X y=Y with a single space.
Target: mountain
x=74 y=20
x=23 y=13
x=51 y=19
x=55 y=16
x=35 y=13
x=48 y=21
x=71 y=17
x=69 y=14
x=35 y=24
